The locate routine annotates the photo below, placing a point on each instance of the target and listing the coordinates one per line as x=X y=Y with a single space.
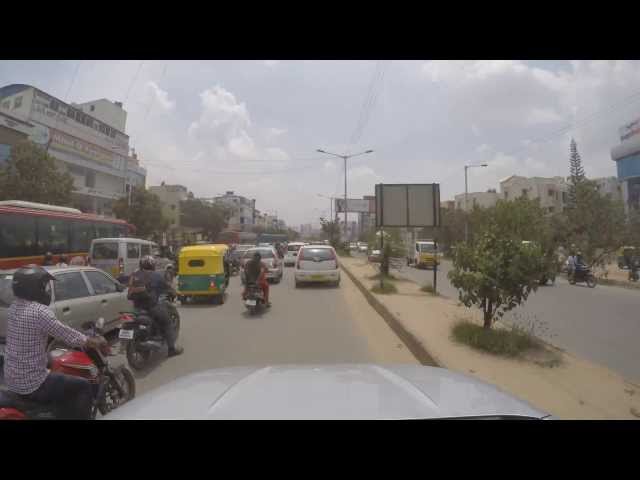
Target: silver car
x=78 y=295
x=270 y=258
x=323 y=392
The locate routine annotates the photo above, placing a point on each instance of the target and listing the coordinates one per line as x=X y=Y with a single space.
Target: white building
x=88 y=140
x=552 y=192
x=609 y=186
x=242 y=210
x=480 y=199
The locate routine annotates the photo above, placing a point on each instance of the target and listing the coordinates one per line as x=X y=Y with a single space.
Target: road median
x=576 y=389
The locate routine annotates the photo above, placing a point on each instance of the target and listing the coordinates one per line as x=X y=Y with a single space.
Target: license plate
x=250 y=302
x=125 y=334
x=317 y=277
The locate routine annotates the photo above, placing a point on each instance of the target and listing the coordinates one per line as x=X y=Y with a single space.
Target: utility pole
x=345 y=157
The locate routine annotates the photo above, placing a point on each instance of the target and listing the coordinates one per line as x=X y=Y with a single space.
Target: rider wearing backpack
x=146 y=286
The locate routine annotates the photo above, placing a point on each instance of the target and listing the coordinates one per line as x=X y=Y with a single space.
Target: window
x=88 y=121
x=17 y=102
x=119 y=231
x=524 y=192
x=319 y=253
x=102 y=128
x=145 y=250
x=53 y=235
x=17 y=236
x=90 y=179
x=71 y=112
x=564 y=197
x=104 y=230
x=79 y=116
x=113 y=133
x=81 y=235
x=92 y=108
x=196 y=263
x=105 y=251
x=54 y=105
x=101 y=283
x=69 y=286
x=551 y=192
x=133 y=250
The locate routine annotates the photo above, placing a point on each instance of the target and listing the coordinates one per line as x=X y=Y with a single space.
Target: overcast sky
x=254 y=126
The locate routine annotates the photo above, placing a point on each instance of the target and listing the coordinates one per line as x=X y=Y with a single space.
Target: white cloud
x=483 y=148
x=159 y=97
x=275 y=132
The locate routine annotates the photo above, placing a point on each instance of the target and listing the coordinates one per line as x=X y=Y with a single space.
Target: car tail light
x=11 y=414
x=125 y=317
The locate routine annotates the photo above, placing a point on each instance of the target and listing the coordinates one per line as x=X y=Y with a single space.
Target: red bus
x=29 y=230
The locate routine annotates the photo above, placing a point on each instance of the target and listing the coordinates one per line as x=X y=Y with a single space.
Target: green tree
x=212 y=219
x=496 y=273
x=576 y=172
x=332 y=229
x=145 y=212
x=32 y=175
x=596 y=224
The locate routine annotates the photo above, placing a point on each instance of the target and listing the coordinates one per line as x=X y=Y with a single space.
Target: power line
x=133 y=81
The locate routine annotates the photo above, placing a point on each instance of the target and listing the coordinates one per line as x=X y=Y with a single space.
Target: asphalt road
x=314 y=324
x=600 y=324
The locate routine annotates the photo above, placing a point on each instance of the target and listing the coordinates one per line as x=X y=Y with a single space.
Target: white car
x=317 y=263
x=292 y=253
x=363 y=248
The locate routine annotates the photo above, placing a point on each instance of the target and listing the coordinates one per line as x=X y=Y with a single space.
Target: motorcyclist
x=63 y=262
x=256 y=272
x=30 y=323
x=155 y=286
x=580 y=266
x=48 y=260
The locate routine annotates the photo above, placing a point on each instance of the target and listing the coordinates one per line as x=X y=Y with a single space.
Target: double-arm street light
x=466 y=195
x=345 y=157
x=330 y=204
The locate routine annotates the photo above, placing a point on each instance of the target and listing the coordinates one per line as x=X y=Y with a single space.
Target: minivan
x=120 y=257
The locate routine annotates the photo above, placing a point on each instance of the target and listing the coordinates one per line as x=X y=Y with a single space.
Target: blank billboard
x=354 y=205
x=408 y=205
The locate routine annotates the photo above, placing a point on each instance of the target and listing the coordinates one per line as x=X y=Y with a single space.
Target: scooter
x=254 y=298
x=585 y=275
x=140 y=337
x=112 y=387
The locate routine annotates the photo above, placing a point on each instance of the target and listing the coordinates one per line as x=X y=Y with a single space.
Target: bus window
x=81 y=235
x=120 y=231
x=104 y=230
x=17 y=236
x=53 y=235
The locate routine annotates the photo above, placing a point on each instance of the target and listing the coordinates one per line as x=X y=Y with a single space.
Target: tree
x=212 y=219
x=596 y=224
x=576 y=172
x=145 y=212
x=332 y=229
x=496 y=273
x=32 y=175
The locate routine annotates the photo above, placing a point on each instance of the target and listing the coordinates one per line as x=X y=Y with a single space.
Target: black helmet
x=147 y=263
x=257 y=256
x=30 y=283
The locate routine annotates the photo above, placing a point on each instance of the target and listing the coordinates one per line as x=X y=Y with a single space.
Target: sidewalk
x=576 y=389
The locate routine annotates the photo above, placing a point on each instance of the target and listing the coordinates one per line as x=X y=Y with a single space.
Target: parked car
x=120 y=257
x=292 y=253
x=79 y=295
x=317 y=263
x=375 y=256
x=353 y=246
x=270 y=258
x=363 y=247
x=349 y=392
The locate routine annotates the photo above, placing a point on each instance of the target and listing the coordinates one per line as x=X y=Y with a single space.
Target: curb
x=410 y=341
x=618 y=283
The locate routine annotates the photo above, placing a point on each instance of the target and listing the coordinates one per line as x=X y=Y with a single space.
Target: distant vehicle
x=353 y=246
x=28 y=230
x=120 y=257
x=422 y=254
x=375 y=256
x=270 y=258
x=363 y=247
x=271 y=238
x=79 y=295
x=317 y=263
x=292 y=253
x=349 y=392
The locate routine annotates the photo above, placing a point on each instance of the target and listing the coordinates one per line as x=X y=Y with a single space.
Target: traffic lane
x=600 y=324
x=314 y=324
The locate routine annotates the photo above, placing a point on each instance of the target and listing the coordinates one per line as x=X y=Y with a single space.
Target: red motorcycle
x=111 y=386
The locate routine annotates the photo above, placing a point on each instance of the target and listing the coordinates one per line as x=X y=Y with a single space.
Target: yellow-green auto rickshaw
x=202 y=272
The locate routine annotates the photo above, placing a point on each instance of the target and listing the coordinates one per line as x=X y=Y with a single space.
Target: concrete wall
x=481 y=199
x=548 y=190
x=108 y=112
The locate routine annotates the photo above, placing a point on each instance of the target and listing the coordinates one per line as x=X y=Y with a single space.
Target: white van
x=292 y=253
x=120 y=257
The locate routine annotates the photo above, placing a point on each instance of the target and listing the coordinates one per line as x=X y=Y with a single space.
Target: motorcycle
x=112 y=387
x=254 y=298
x=140 y=337
x=584 y=275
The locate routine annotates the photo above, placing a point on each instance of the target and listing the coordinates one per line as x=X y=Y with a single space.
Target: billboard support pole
x=435 y=268
x=381 y=258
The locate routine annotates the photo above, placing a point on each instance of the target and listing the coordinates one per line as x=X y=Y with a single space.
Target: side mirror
x=120 y=287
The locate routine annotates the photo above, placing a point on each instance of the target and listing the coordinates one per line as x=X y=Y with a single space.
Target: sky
x=254 y=127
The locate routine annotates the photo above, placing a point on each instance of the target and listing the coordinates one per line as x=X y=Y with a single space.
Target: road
x=600 y=324
x=313 y=324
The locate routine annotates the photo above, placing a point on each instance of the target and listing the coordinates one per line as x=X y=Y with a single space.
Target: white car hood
x=324 y=392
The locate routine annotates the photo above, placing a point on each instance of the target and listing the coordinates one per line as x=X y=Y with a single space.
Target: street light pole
x=345 y=157
x=466 y=197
